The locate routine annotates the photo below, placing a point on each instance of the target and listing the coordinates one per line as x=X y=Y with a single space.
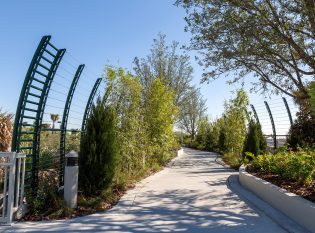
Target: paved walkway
x=192 y=195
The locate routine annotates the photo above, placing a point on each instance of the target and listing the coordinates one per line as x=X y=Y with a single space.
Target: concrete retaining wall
x=297 y=208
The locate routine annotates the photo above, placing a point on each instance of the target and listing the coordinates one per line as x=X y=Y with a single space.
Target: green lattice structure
x=89 y=104
x=63 y=126
x=31 y=105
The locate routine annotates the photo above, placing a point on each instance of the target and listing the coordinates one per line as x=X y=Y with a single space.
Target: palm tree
x=54 y=118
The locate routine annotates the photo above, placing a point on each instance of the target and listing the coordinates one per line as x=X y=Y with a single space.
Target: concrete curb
x=219 y=160
x=292 y=205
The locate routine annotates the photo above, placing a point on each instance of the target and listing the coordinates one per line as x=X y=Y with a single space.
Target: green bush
x=255 y=141
x=298 y=166
x=233 y=129
x=302 y=132
x=99 y=152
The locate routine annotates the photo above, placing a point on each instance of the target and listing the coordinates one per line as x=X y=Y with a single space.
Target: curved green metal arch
x=255 y=113
x=63 y=126
x=32 y=103
x=288 y=110
x=89 y=104
x=273 y=125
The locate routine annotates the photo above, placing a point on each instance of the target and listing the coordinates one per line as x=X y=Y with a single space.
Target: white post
x=11 y=188
x=71 y=179
x=22 y=179
x=16 y=202
x=5 y=185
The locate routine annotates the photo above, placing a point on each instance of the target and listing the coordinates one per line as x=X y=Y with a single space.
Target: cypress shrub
x=99 y=152
x=255 y=141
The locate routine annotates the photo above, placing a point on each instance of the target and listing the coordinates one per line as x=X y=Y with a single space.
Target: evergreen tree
x=99 y=150
x=255 y=141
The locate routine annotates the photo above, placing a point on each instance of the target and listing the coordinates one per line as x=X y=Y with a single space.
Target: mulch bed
x=307 y=192
x=79 y=211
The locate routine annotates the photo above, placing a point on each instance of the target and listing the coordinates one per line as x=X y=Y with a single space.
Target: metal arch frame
x=89 y=104
x=63 y=126
x=272 y=124
x=25 y=90
x=255 y=113
x=288 y=110
x=31 y=85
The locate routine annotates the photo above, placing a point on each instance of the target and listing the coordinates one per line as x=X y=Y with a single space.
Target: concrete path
x=192 y=195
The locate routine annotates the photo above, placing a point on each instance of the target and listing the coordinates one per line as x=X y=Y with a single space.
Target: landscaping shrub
x=302 y=132
x=48 y=201
x=255 y=141
x=99 y=152
x=296 y=165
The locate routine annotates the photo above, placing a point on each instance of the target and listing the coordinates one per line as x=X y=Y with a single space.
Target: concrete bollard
x=71 y=179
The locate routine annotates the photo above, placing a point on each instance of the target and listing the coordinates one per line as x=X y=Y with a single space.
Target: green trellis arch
x=31 y=105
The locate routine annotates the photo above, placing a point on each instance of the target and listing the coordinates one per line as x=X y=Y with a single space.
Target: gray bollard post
x=71 y=179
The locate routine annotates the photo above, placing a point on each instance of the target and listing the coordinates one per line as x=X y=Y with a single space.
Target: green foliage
x=99 y=150
x=204 y=132
x=167 y=63
x=255 y=141
x=159 y=117
x=227 y=134
x=298 y=166
x=273 y=40
x=192 y=111
x=233 y=131
x=47 y=199
x=216 y=135
x=146 y=115
x=302 y=132
x=173 y=68
x=312 y=97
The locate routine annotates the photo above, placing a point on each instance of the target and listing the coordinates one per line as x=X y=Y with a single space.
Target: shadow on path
x=191 y=196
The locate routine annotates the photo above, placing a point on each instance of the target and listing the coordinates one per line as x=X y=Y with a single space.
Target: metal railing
x=12 y=167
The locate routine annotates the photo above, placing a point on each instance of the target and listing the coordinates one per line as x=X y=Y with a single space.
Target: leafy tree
x=125 y=93
x=159 y=117
x=168 y=64
x=99 y=150
x=272 y=40
x=193 y=109
x=255 y=141
x=233 y=128
x=216 y=135
x=146 y=117
x=202 y=137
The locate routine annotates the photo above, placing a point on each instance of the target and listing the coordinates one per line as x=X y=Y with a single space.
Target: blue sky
x=95 y=32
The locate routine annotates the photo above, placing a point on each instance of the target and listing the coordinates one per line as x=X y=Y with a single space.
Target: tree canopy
x=167 y=63
x=171 y=66
x=193 y=109
x=273 y=40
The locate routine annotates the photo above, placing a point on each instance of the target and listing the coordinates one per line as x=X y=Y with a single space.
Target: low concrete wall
x=297 y=208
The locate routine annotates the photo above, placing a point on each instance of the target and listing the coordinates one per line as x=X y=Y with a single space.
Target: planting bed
x=307 y=192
